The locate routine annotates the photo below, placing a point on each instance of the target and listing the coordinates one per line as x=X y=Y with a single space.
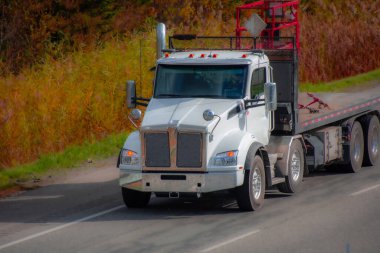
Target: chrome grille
x=189 y=150
x=157 y=152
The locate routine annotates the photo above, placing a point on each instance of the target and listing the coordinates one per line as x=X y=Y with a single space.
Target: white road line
x=61 y=227
x=230 y=241
x=22 y=198
x=365 y=190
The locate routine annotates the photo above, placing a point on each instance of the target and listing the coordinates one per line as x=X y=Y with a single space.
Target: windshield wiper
x=169 y=95
x=206 y=96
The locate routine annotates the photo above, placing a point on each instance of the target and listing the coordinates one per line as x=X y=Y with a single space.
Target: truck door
x=257 y=117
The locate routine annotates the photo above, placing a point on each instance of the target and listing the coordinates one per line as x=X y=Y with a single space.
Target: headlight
x=129 y=157
x=226 y=159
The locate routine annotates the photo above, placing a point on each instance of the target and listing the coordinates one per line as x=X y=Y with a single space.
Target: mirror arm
x=137 y=100
x=248 y=103
x=131 y=120
x=142 y=104
x=253 y=106
x=211 y=136
x=142 y=99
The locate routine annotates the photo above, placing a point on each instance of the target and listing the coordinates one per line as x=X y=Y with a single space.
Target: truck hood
x=184 y=113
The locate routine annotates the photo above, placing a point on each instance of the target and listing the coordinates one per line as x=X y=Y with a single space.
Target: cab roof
x=216 y=57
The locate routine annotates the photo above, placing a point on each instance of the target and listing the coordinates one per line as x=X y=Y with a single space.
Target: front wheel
x=250 y=196
x=135 y=199
x=296 y=166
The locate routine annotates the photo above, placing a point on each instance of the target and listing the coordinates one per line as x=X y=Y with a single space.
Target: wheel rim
x=375 y=141
x=256 y=183
x=295 y=166
x=357 y=148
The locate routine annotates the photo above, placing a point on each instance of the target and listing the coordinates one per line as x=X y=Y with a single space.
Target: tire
x=356 y=148
x=135 y=199
x=296 y=167
x=371 y=129
x=250 y=196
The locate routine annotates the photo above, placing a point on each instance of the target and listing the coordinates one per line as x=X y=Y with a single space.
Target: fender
x=238 y=140
x=257 y=148
x=133 y=143
x=254 y=149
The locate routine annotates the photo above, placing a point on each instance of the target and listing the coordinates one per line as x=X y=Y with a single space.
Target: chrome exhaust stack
x=161 y=39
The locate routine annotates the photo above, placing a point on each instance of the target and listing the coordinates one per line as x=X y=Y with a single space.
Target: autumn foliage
x=64 y=63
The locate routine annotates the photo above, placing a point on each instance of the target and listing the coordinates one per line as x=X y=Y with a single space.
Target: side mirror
x=131 y=94
x=270 y=91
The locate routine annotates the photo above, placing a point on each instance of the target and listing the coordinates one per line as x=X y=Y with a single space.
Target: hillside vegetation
x=64 y=63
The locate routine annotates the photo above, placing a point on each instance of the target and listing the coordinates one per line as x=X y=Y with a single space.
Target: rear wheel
x=296 y=166
x=135 y=199
x=250 y=196
x=356 y=148
x=371 y=128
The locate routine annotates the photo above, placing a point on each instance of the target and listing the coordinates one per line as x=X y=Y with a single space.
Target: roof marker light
x=203 y=56
x=191 y=55
x=244 y=56
x=167 y=55
x=214 y=55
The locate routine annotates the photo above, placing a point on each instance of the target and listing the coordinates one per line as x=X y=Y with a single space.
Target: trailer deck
x=332 y=107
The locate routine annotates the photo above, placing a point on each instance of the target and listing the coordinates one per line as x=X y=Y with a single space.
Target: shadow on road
x=67 y=202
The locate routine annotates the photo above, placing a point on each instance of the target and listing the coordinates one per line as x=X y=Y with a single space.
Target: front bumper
x=180 y=182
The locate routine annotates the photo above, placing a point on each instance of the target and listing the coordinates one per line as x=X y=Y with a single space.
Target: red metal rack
x=278 y=15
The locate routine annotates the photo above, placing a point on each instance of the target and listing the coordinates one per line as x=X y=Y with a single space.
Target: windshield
x=174 y=81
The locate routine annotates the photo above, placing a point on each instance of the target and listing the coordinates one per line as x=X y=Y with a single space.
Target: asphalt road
x=333 y=212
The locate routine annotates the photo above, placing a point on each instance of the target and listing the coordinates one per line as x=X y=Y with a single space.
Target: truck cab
x=209 y=111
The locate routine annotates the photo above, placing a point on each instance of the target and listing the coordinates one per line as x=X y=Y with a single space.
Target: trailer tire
x=371 y=129
x=135 y=199
x=250 y=196
x=296 y=166
x=356 y=148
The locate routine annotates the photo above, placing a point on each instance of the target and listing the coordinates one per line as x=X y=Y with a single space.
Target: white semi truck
x=232 y=119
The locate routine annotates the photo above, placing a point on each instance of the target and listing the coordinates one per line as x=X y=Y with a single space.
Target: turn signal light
x=230 y=154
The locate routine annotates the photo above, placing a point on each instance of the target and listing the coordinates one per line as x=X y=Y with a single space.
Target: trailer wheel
x=371 y=128
x=356 y=148
x=250 y=196
x=135 y=199
x=296 y=166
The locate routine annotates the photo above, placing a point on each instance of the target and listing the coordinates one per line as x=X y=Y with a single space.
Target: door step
x=278 y=180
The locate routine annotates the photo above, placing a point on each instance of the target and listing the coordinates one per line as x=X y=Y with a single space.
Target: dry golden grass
x=81 y=97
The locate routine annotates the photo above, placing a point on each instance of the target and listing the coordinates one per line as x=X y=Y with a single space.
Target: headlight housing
x=228 y=158
x=129 y=157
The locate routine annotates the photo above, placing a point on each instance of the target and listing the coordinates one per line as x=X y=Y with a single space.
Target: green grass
x=69 y=158
x=361 y=80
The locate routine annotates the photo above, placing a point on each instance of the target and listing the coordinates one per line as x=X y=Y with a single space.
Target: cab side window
x=257 y=83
